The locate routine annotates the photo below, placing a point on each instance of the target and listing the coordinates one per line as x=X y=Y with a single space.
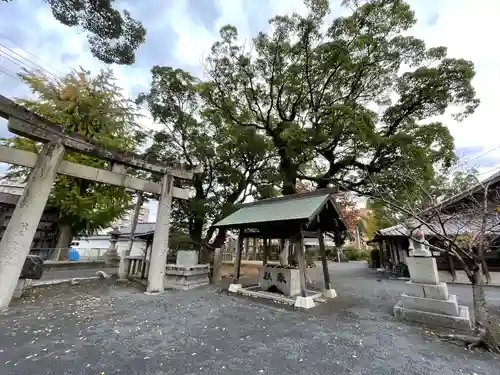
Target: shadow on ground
x=101 y=327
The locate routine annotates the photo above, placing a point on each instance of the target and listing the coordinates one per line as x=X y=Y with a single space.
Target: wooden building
x=460 y=214
x=45 y=236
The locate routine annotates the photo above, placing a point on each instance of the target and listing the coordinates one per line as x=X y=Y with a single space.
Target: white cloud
x=468 y=30
x=193 y=37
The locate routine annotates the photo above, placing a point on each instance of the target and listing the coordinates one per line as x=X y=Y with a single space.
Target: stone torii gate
x=16 y=241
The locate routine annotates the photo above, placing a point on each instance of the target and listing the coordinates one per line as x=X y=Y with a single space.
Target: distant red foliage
x=349 y=211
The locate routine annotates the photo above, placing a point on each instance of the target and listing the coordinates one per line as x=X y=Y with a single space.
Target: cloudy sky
x=180 y=31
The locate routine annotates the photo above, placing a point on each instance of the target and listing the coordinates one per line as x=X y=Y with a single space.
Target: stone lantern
x=112 y=257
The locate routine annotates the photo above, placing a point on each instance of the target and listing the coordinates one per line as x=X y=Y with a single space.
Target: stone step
x=439 y=291
x=446 y=307
x=461 y=322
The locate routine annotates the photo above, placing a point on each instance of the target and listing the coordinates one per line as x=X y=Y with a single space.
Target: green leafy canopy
x=232 y=157
x=113 y=36
x=347 y=103
x=91 y=105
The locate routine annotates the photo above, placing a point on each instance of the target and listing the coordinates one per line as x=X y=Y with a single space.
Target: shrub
x=353 y=253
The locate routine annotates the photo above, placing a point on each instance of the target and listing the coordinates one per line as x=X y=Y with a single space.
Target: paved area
x=54 y=274
x=358 y=286
x=101 y=328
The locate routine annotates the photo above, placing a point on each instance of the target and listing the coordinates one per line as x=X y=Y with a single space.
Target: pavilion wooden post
x=390 y=254
x=324 y=262
x=237 y=260
x=381 y=254
x=398 y=256
x=302 y=265
x=328 y=292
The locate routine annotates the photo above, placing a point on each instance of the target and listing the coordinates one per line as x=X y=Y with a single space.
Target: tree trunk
x=486 y=271
x=482 y=325
x=284 y=252
x=206 y=255
x=288 y=173
x=196 y=232
x=479 y=301
x=64 y=238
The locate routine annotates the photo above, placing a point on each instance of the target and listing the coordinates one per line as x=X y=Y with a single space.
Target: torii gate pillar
x=159 y=250
x=16 y=241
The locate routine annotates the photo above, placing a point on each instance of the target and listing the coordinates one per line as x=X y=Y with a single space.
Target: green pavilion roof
x=302 y=208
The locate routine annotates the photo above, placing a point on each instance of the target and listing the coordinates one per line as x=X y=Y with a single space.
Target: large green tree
x=345 y=103
x=113 y=36
x=233 y=158
x=93 y=106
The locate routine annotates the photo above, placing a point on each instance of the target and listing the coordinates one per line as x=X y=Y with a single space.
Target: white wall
x=97 y=246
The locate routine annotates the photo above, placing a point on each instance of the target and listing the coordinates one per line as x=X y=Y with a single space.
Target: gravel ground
x=101 y=328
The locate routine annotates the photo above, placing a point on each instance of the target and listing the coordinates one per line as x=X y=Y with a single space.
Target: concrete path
x=101 y=328
x=356 y=282
x=54 y=274
x=461 y=278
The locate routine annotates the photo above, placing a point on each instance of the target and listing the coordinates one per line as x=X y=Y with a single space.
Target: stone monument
x=283 y=277
x=186 y=273
x=427 y=299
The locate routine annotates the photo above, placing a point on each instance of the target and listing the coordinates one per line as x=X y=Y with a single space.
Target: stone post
x=235 y=284
x=123 y=267
x=124 y=263
x=427 y=299
x=16 y=241
x=159 y=250
x=216 y=274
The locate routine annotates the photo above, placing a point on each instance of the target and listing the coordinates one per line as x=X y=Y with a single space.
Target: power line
x=25 y=58
x=463 y=162
x=11 y=59
x=19 y=60
x=10 y=74
x=36 y=57
x=484 y=153
x=20 y=64
x=489 y=171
